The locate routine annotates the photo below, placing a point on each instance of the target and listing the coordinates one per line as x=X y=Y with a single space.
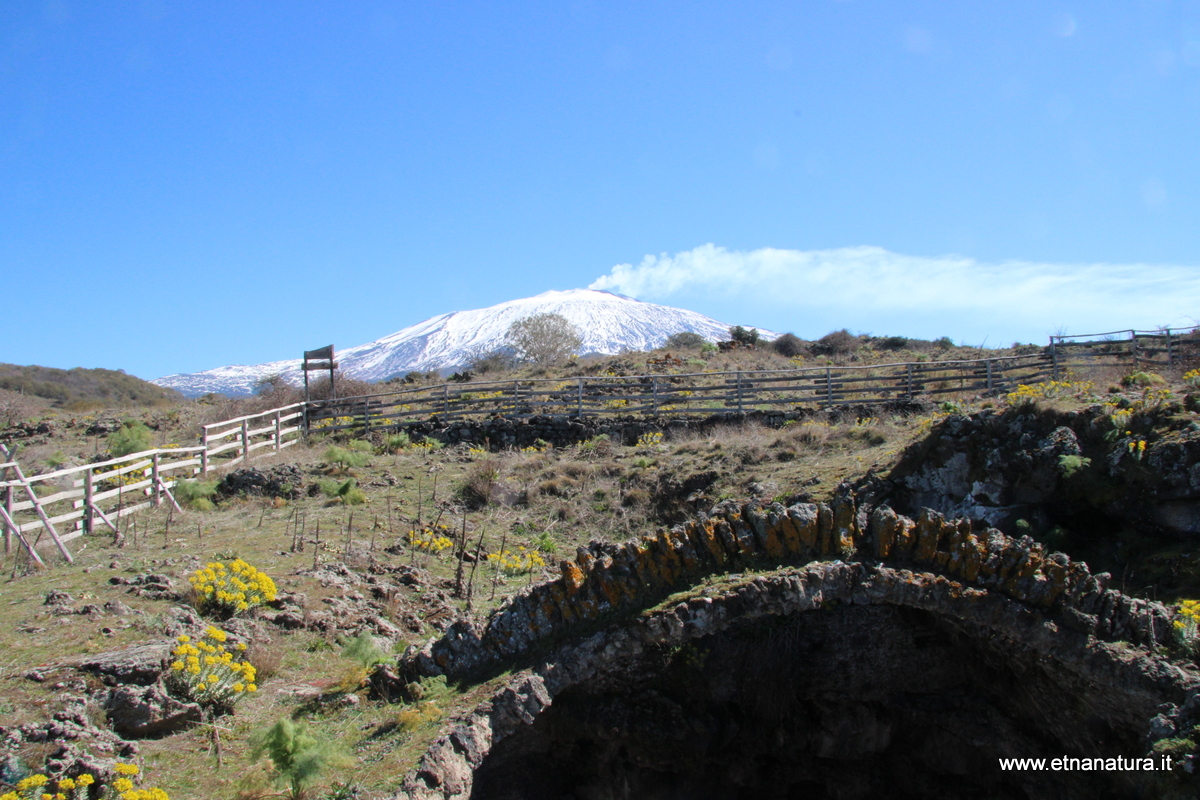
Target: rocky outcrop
x=605 y=579
x=893 y=656
x=1047 y=467
x=929 y=630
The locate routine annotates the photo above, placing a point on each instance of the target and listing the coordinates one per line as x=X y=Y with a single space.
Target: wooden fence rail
x=1166 y=348
x=694 y=393
x=106 y=491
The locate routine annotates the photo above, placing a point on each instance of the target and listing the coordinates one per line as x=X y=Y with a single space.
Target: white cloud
x=857 y=286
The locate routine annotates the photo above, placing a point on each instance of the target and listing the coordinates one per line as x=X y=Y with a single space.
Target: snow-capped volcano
x=609 y=323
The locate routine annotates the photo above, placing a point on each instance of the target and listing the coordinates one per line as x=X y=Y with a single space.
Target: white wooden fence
x=36 y=507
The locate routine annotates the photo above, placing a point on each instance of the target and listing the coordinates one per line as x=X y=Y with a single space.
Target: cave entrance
x=847 y=702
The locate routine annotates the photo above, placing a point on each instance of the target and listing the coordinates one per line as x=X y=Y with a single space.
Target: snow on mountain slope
x=609 y=324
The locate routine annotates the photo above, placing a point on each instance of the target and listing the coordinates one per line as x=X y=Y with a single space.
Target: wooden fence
x=239 y=437
x=695 y=393
x=104 y=492
x=1166 y=348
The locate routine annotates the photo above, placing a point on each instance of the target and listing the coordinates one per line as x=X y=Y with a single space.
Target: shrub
x=205 y=672
x=788 y=345
x=893 y=343
x=297 y=755
x=1069 y=465
x=1187 y=627
x=225 y=591
x=131 y=437
x=364 y=649
x=345 y=492
x=600 y=445
x=81 y=787
x=495 y=361
x=685 y=340
x=742 y=336
x=479 y=482
x=519 y=562
x=1191 y=379
x=1143 y=380
x=836 y=343
x=394 y=443
x=196 y=495
x=341 y=457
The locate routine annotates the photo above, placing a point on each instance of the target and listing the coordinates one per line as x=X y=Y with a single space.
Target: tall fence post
x=88 y=490
x=204 y=452
x=580 y=411
x=1054 y=356
x=739 y=390
x=909 y=380
x=655 y=397
x=989 y=374
x=8 y=504
x=1170 y=359
x=278 y=433
x=828 y=388
x=366 y=416
x=245 y=441
x=154 y=477
x=516 y=395
x=446 y=399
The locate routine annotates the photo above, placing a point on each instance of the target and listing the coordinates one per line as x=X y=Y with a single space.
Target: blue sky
x=185 y=185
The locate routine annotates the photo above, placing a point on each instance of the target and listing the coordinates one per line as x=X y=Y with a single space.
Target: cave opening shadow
x=846 y=702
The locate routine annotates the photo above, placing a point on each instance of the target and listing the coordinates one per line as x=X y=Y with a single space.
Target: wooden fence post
x=1054 y=356
x=8 y=504
x=828 y=388
x=245 y=441
x=909 y=380
x=580 y=411
x=1133 y=347
x=1170 y=359
x=88 y=505
x=204 y=452
x=989 y=374
x=655 y=397
x=739 y=390
x=157 y=485
x=278 y=433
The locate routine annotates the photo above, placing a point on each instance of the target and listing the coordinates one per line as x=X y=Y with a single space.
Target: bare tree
x=544 y=338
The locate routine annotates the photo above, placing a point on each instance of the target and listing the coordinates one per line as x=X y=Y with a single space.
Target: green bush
x=297 y=755
x=341 y=457
x=131 y=437
x=196 y=495
x=394 y=443
x=364 y=650
x=345 y=492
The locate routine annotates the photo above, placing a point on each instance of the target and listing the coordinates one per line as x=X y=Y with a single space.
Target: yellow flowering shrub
x=204 y=671
x=1187 y=627
x=649 y=439
x=1191 y=378
x=430 y=539
x=41 y=787
x=227 y=590
x=1048 y=390
x=517 y=563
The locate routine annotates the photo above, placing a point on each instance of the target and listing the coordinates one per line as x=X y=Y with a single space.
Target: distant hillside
x=79 y=386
